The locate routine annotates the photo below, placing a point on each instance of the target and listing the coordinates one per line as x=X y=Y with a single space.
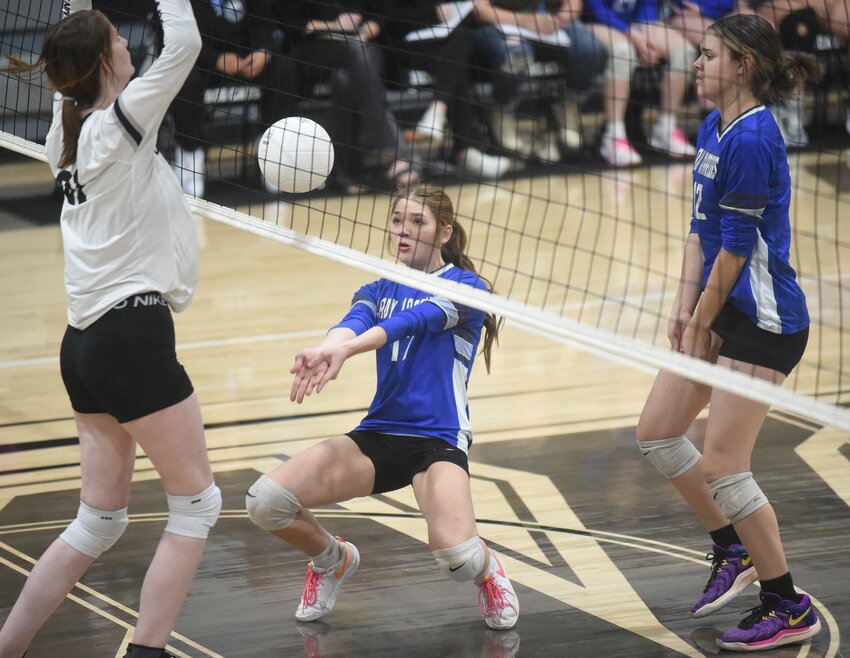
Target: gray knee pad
x=194 y=516
x=738 y=495
x=672 y=457
x=270 y=506
x=622 y=60
x=681 y=60
x=463 y=562
x=95 y=531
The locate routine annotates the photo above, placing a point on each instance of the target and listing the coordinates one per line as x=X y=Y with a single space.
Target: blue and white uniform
x=742 y=192
x=424 y=368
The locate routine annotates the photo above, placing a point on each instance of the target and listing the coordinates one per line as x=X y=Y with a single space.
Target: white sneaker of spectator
x=191 y=170
x=617 y=151
x=667 y=137
x=506 y=133
x=789 y=118
x=568 y=118
x=481 y=165
x=432 y=125
x=545 y=143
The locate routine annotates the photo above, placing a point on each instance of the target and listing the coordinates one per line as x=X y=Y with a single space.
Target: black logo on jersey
x=71 y=187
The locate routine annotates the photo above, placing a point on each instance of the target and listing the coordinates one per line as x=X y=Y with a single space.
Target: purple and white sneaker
x=774 y=623
x=732 y=571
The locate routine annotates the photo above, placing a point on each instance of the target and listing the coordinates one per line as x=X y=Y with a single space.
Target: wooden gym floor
x=605 y=558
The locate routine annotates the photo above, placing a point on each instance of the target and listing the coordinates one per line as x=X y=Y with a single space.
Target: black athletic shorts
x=125 y=363
x=398 y=458
x=746 y=342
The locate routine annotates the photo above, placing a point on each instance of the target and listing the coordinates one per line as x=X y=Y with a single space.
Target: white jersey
x=126 y=227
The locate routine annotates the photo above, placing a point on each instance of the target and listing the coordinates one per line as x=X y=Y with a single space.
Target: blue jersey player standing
x=417 y=431
x=739 y=305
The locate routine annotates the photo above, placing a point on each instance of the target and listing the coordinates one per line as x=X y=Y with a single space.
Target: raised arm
x=142 y=105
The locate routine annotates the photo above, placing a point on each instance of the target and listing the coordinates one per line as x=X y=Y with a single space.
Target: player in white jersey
x=130 y=253
x=738 y=305
x=417 y=431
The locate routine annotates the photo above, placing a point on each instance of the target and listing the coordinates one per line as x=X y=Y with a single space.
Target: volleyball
x=296 y=155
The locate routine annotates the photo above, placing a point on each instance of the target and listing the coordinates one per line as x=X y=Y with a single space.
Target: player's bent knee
x=622 y=60
x=95 y=531
x=270 y=506
x=738 y=495
x=681 y=59
x=672 y=457
x=463 y=562
x=194 y=516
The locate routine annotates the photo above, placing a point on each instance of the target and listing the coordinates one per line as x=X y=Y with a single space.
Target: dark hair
x=73 y=52
x=774 y=74
x=454 y=251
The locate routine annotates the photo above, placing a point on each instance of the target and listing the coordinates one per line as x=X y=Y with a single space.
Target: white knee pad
x=622 y=60
x=194 y=516
x=672 y=457
x=463 y=562
x=95 y=531
x=681 y=60
x=270 y=506
x=738 y=495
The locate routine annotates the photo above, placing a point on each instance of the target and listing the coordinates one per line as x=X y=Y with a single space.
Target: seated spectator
x=798 y=23
x=515 y=32
x=438 y=38
x=332 y=43
x=634 y=38
x=238 y=45
x=692 y=17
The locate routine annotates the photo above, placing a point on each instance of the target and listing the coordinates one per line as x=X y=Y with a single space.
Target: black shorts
x=125 y=364
x=746 y=342
x=398 y=458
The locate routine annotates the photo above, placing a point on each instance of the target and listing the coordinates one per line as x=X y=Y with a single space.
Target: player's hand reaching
x=313 y=369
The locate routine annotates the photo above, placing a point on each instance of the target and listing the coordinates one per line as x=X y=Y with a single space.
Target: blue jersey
x=742 y=192
x=423 y=369
x=713 y=9
x=619 y=14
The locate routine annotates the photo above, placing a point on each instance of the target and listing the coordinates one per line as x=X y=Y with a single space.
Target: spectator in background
x=439 y=38
x=692 y=17
x=238 y=44
x=517 y=31
x=799 y=22
x=332 y=43
x=633 y=37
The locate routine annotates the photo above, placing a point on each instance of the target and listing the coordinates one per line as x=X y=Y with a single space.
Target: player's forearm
x=691 y=276
x=372 y=339
x=338 y=335
x=724 y=274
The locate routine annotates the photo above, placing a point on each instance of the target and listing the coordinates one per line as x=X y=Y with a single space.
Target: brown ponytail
x=73 y=52
x=774 y=74
x=454 y=251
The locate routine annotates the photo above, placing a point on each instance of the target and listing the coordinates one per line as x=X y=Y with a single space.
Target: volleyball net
x=576 y=250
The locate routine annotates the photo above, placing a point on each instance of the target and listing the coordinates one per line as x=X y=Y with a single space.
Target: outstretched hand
x=313 y=369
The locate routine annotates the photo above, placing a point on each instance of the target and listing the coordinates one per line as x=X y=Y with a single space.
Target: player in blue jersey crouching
x=417 y=431
x=739 y=305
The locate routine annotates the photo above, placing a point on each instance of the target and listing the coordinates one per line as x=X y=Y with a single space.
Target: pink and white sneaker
x=673 y=142
x=496 y=597
x=618 y=152
x=321 y=586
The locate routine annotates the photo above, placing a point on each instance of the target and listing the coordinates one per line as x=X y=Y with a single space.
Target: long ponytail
x=74 y=50
x=454 y=250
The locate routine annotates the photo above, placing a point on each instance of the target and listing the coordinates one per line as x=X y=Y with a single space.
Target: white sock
x=615 y=129
x=665 y=122
x=330 y=556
